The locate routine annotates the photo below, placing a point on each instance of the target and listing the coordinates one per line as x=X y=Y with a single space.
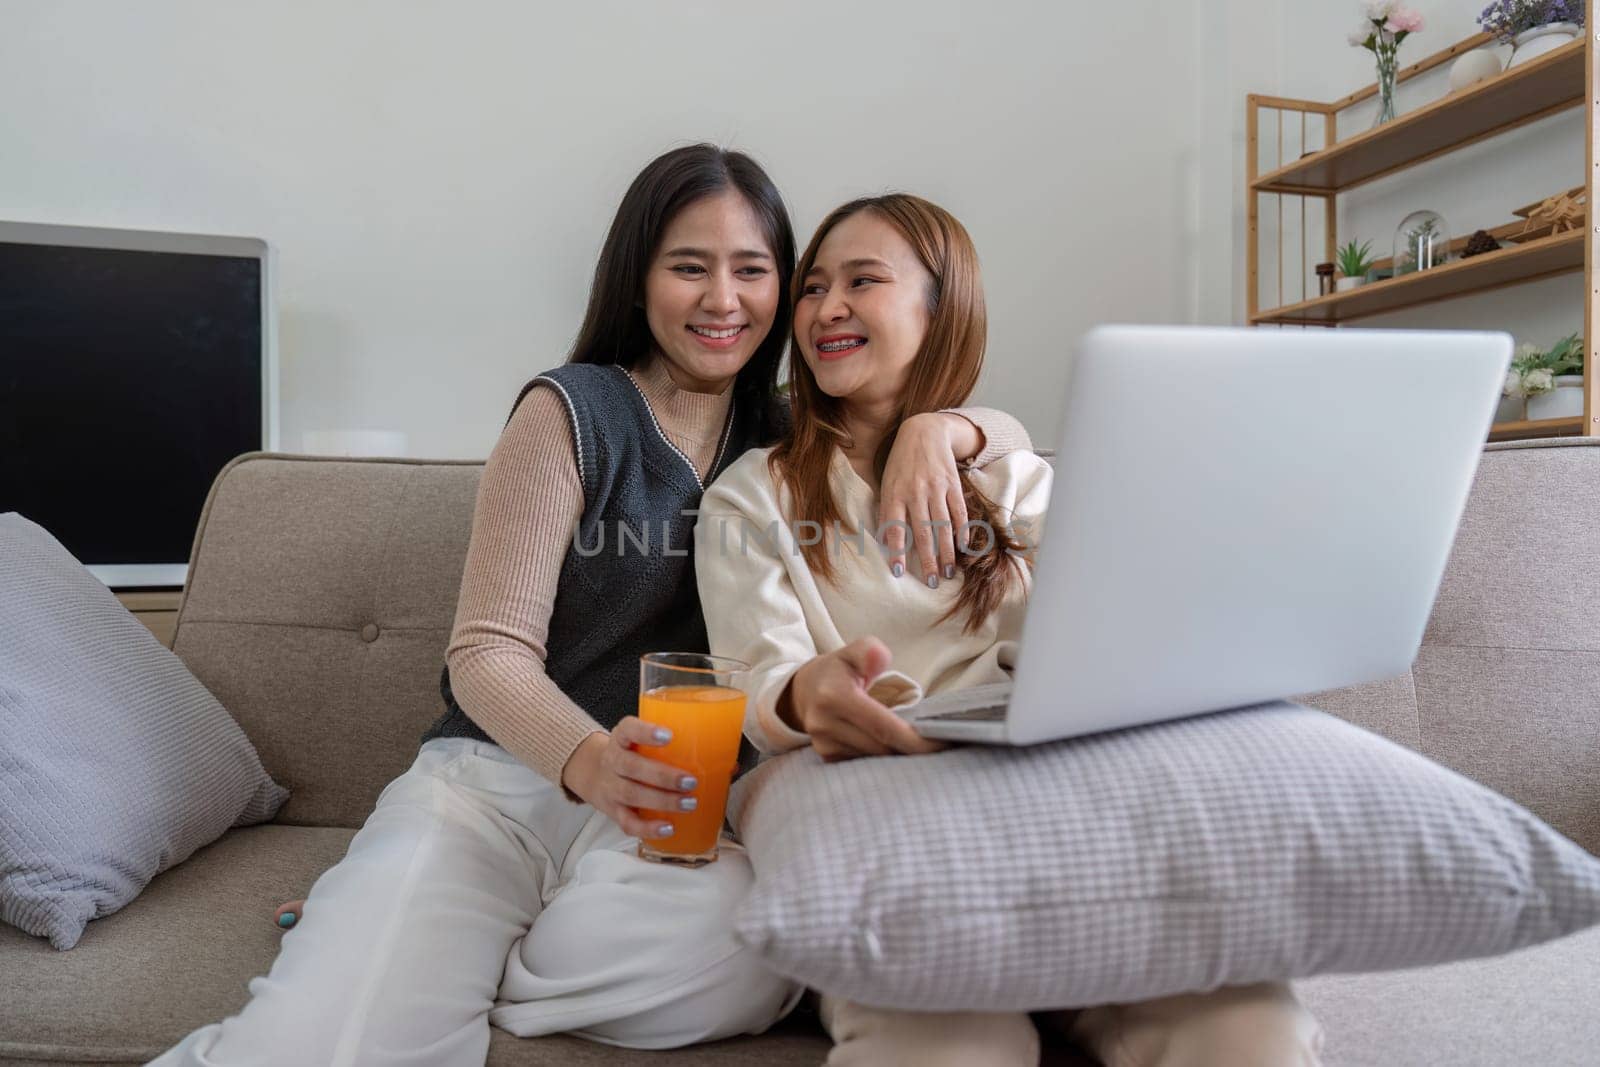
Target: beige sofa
x=320 y=601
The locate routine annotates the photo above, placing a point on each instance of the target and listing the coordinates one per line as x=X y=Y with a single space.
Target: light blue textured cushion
x=1263 y=844
x=115 y=762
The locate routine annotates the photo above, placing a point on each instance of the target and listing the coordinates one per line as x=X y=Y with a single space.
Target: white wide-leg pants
x=476 y=893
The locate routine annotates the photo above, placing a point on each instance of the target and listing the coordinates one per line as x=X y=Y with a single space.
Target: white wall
x=1474 y=188
x=437 y=178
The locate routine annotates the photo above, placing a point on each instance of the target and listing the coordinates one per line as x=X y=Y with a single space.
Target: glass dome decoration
x=1421 y=241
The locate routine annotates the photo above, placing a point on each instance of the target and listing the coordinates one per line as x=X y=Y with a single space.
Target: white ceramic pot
x=1473 y=67
x=1344 y=285
x=1530 y=44
x=1511 y=409
x=1565 y=401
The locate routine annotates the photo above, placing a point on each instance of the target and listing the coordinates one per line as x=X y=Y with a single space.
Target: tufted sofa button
x=369 y=632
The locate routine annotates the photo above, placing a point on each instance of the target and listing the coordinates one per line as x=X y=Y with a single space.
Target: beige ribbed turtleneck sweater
x=529 y=502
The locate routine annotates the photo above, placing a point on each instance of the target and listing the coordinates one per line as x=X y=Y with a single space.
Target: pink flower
x=1403 y=20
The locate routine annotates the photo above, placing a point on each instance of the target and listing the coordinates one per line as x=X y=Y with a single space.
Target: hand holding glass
x=697 y=697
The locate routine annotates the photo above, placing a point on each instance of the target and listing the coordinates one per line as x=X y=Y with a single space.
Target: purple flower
x=1507 y=18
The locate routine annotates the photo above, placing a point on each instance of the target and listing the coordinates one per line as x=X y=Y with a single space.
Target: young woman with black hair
x=497 y=879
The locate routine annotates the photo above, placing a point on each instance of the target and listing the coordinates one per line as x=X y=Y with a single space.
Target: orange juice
x=706 y=723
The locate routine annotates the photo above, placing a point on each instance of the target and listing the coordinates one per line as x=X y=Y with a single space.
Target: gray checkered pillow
x=1264 y=844
x=115 y=762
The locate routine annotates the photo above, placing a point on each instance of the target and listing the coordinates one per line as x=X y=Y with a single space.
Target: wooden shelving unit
x=1562 y=79
x=1512 y=431
x=1544 y=258
x=1527 y=92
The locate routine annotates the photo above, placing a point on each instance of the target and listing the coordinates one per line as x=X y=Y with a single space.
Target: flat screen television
x=133 y=366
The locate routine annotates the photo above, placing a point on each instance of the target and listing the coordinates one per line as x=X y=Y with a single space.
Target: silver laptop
x=1237 y=516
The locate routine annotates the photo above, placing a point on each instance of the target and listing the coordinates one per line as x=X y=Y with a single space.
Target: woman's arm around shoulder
x=921 y=493
x=994 y=433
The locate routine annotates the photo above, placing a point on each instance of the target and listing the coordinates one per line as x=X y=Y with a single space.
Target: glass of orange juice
x=698 y=698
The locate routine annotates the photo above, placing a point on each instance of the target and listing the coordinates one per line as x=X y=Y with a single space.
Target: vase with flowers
x=1545 y=384
x=1384 y=26
x=1532 y=27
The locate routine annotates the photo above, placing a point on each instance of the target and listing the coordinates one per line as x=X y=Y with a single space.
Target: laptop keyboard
x=993 y=713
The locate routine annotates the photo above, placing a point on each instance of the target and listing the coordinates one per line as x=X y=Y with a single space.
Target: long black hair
x=615 y=330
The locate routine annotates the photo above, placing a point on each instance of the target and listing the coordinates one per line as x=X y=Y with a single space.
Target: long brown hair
x=943 y=375
x=614 y=326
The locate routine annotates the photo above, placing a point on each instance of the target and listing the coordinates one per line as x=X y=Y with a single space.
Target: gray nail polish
x=897 y=570
x=687 y=803
x=933 y=581
x=688 y=781
x=664 y=830
x=949 y=571
x=662 y=734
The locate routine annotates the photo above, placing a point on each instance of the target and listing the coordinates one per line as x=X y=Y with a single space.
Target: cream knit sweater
x=765 y=606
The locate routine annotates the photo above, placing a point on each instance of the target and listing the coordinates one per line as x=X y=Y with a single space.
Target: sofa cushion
x=182 y=954
x=1261 y=844
x=320 y=601
x=176 y=958
x=1387 y=707
x=1525 y=722
x=1508 y=680
x=1536 y=1006
x=115 y=762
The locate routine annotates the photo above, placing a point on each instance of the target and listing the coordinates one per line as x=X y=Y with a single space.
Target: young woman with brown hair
x=889 y=322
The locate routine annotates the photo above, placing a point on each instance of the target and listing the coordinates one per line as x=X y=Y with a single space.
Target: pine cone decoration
x=1479 y=243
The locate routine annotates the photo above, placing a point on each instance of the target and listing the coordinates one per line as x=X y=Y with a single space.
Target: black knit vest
x=616 y=600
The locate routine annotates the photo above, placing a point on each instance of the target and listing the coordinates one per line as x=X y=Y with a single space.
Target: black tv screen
x=128 y=379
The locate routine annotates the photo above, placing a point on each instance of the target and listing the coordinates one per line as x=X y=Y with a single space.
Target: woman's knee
x=1260 y=1025
x=879 y=1037
x=737 y=995
x=1256 y=1026
x=648 y=952
x=670 y=912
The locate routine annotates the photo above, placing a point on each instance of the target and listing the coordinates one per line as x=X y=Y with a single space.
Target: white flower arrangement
x=1533 y=370
x=1386 y=24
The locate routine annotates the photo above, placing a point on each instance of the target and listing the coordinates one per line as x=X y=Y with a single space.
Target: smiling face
x=863 y=311
x=711 y=292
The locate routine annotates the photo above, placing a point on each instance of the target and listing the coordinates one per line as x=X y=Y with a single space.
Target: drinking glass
x=698 y=697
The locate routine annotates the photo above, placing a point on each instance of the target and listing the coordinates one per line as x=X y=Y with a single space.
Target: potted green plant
x=1354 y=262
x=1549 y=383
